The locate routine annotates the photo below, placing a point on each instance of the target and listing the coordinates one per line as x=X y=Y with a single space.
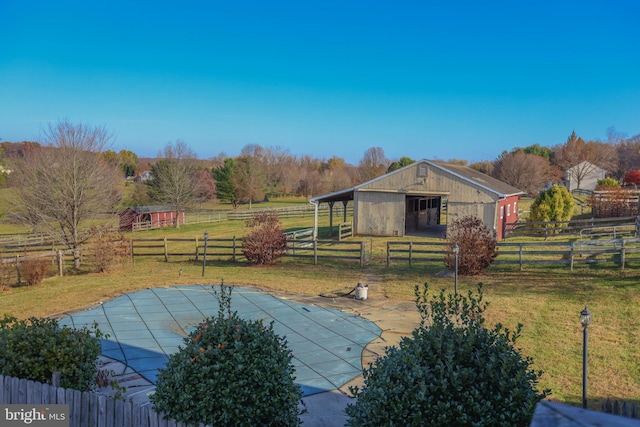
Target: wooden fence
x=619 y=251
x=624 y=409
x=300 y=211
x=573 y=227
x=231 y=249
x=85 y=409
x=345 y=230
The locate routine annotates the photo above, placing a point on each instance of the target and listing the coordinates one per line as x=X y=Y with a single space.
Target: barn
x=426 y=195
x=149 y=216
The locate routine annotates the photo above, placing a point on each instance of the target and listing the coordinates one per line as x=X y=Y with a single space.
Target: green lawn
x=547 y=300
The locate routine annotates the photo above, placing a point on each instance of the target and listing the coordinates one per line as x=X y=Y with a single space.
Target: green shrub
x=230 y=372
x=33 y=349
x=452 y=371
x=476 y=243
x=554 y=204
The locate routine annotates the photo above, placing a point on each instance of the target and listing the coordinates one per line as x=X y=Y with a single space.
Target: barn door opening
x=422 y=212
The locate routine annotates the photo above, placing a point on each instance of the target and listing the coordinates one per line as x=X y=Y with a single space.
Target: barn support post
x=331 y=218
x=315 y=220
x=344 y=210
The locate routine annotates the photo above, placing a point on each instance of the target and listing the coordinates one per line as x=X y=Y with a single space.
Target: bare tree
x=373 y=164
x=527 y=172
x=67 y=182
x=174 y=179
x=248 y=180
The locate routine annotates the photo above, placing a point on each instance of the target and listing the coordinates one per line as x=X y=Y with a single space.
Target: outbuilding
x=149 y=216
x=426 y=195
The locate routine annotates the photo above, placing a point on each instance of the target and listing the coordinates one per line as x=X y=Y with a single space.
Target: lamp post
x=204 y=253
x=585 y=320
x=456 y=252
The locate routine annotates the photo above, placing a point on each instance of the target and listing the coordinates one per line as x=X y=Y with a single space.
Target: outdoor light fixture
x=585 y=320
x=204 y=253
x=456 y=252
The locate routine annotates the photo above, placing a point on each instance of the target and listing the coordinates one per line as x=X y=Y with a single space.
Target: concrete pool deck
x=331 y=338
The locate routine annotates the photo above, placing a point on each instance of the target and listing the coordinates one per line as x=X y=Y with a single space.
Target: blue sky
x=437 y=80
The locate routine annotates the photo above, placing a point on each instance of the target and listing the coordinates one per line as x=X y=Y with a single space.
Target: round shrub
x=230 y=372
x=477 y=246
x=35 y=348
x=553 y=205
x=265 y=241
x=451 y=372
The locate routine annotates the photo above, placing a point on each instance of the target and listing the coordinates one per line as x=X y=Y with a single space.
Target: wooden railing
x=85 y=408
x=619 y=251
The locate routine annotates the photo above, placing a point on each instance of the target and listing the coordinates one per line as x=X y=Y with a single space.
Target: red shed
x=149 y=216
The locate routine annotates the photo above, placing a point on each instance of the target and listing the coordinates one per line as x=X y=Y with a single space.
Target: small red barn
x=149 y=216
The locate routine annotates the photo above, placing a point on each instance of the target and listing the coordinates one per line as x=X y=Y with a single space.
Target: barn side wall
x=379 y=214
x=377 y=217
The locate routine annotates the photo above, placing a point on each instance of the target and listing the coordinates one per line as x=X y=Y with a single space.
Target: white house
x=583 y=176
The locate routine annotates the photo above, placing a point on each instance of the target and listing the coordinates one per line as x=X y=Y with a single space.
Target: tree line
x=71 y=175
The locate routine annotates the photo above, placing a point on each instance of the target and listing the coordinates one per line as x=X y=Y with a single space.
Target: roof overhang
x=338 y=196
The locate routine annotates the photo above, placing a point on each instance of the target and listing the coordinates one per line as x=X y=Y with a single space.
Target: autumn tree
x=632 y=177
x=66 y=183
x=527 y=172
x=538 y=150
x=174 y=178
x=398 y=164
x=580 y=158
x=248 y=180
x=628 y=151
x=373 y=164
x=124 y=160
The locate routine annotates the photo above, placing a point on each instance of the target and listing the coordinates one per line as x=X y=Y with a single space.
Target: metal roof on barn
x=158 y=208
x=466 y=173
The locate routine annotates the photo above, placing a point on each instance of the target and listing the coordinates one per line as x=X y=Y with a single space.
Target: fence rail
x=573 y=227
x=300 y=211
x=85 y=408
x=629 y=410
x=619 y=251
x=345 y=230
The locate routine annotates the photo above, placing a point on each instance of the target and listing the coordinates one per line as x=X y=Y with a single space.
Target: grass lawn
x=546 y=300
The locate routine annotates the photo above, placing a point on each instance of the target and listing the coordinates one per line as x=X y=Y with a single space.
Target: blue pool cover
x=146 y=326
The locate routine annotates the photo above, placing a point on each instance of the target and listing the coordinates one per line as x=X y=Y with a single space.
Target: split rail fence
x=619 y=251
x=303 y=246
x=85 y=409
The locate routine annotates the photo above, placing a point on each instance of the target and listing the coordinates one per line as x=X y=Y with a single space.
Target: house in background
x=142 y=177
x=149 y=216
x=583 y=176
x=427 y=195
